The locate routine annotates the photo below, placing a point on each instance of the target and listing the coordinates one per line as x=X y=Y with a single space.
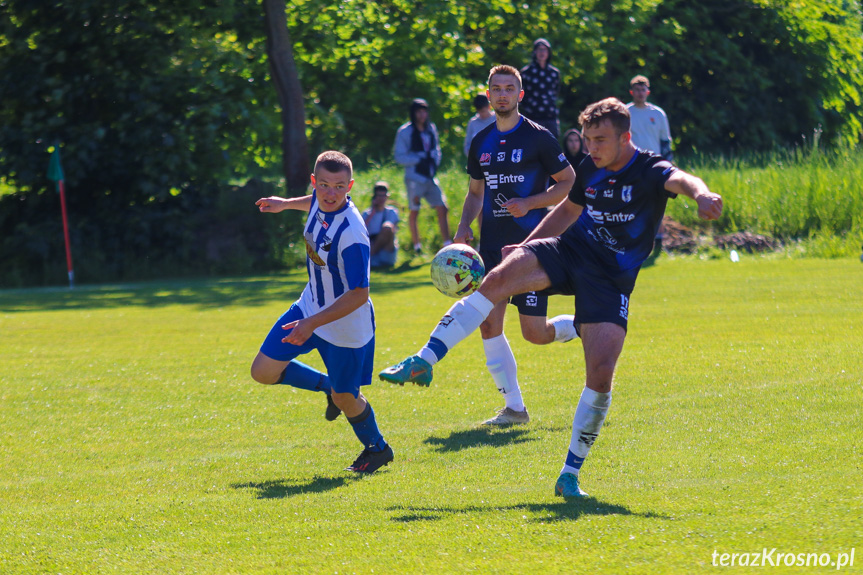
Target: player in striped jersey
x=334 y=314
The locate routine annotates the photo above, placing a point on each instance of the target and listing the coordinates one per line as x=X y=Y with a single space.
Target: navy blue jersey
x=514 y=164
x=622 y=210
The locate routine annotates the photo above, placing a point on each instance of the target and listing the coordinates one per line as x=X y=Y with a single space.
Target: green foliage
x=145 y=97
x=139 y=444
x=745 y=75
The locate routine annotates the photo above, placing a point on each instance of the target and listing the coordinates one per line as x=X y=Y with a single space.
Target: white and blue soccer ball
x=457 y=270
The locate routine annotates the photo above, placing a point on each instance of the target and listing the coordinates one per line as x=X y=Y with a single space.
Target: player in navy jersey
x=509 y=163
x=334 y=314
x=591 y=245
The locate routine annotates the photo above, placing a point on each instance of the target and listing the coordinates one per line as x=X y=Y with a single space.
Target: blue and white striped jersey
x=337 y=259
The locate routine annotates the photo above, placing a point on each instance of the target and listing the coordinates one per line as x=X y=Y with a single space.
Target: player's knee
x=264 y=376
x=537 y=336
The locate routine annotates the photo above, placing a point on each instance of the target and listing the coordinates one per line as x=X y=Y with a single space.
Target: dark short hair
x=636 y=80
x=504 y=70
x=334 y=162
x=610 y=109
x=480 y=101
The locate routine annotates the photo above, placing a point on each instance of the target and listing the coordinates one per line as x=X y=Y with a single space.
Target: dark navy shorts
x=573 y=270
x=348 y=368
x=531 y=303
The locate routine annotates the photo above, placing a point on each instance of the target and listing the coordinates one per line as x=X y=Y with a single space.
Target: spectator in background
x=483 y=117
x=649 y=123
x=417 y=148
x=649 y=132
x=573 y=147
x=541 y=83
x=382 y=223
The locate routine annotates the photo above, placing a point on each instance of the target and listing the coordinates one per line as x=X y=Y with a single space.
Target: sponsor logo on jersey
x=590 y=193
x=561 y=157
x=609 y=193
x=609 y=217
x=322 y=221
x=626 y=194
x=485 y=159
x=501 y=156
x=493 y=180
x=516 y=156
x=502 y=212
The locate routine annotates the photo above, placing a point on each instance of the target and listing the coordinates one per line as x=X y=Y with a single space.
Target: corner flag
x=55 y=173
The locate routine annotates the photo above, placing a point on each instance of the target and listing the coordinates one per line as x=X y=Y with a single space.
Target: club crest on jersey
x=485 y=159
x=626 y=194
x=313 y=255
x=590 y=193
x=516 y=156
x=322 y=221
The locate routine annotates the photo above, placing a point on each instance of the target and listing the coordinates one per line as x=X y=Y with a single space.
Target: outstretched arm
x=557 y=221
x=275 y=204
x=709 y=203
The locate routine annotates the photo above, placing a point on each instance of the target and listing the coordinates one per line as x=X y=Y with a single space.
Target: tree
x=295 y=154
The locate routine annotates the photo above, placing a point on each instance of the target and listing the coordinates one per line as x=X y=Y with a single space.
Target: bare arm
x=470 y=211
x=346 y=304
x=709 y=203
x=275 y=204
x=557 y=221
x=563 y=181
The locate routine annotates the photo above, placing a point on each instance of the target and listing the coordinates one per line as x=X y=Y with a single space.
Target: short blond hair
x=504 y=70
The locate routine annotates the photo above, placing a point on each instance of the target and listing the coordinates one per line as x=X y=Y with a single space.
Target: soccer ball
x=457 y=270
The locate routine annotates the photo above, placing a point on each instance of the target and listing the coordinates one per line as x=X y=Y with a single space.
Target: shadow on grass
x=281 y=488
x=564 y=510
x=480 y=437
x=200 y=293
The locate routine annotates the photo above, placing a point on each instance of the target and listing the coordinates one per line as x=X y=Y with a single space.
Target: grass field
x=133 y=440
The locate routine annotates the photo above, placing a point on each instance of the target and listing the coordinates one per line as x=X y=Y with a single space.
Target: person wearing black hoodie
x=541 y=84
x=573 y=147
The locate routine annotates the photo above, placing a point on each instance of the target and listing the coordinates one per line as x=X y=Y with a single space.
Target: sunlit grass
x=134 y=441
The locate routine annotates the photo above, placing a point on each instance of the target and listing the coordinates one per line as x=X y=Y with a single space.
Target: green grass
x=133 y=440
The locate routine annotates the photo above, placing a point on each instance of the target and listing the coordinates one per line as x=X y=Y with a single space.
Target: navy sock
x=366 y=429
x=304 y=377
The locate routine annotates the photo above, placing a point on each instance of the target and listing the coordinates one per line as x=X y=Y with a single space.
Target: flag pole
x=55 y=172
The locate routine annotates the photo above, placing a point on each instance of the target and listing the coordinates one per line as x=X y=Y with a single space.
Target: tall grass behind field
x=809 y=199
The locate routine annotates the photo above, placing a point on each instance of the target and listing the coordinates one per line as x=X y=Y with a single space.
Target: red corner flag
x=55 y=173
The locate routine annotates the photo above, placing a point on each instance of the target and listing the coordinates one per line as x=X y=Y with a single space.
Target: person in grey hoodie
x=417 y=148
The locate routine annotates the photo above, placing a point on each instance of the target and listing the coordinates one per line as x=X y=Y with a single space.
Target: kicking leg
x=520 y=272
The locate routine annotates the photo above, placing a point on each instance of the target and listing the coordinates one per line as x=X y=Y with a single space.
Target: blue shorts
x=348 y=368
x=531 y=303
x=599 y=296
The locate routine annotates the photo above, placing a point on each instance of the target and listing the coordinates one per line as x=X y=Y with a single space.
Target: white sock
x=564 y=327
x=462 y=319
x=589 y=415
x=501 y=364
